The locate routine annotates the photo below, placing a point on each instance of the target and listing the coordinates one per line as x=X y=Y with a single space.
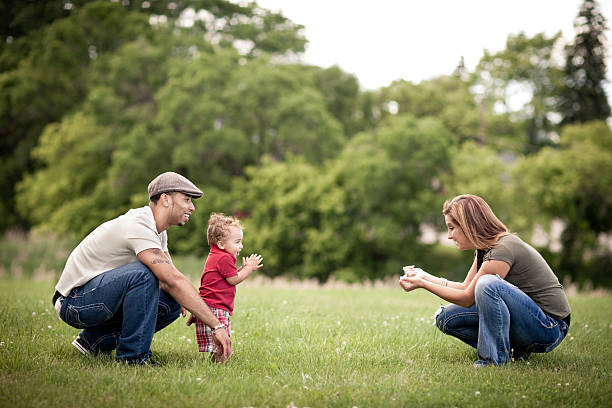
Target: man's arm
x=180 y=288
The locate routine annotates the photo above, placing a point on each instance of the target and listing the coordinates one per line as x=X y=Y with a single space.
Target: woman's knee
x=485 y=284
x=443 y=318
x=438 y=319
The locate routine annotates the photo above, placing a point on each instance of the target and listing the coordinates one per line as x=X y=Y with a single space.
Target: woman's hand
x=407 y=283
x=412 y=278
x=410 y=270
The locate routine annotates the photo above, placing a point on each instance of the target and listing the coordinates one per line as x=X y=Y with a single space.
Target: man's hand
x=181 y=289
x=223 y=344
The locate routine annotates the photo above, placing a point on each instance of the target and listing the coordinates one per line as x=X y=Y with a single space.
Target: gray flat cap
x=171 y=181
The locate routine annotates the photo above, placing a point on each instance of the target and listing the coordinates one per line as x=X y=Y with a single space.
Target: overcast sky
x=415 y=40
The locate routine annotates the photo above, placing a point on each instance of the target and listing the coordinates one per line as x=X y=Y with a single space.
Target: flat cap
x=170 y=181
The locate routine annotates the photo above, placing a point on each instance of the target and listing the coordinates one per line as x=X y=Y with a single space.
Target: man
x=120 y=286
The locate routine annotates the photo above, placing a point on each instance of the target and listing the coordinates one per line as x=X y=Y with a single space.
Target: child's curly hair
x=218 y=227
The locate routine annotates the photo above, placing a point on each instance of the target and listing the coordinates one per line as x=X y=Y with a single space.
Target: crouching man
x=120 y=286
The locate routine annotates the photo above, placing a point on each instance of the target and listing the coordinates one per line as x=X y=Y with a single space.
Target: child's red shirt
x=214 y=288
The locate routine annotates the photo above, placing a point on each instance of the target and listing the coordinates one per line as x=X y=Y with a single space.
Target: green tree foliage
x=44 y=76
x=98 y=97
x=341 y=93
x=173 y=102
x=447 y=98
x=583 y=97
x=17 y=18
x=356 y=217
x=527 y=66
x=64 y=197
x=482 y=171
x=280 y=110
x=46 y=66
x=574 y=183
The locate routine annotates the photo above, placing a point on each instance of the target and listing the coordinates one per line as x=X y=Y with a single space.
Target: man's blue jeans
x=503 y=318
x=121 y=308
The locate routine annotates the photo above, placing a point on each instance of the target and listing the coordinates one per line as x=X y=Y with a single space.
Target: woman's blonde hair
x=218 y=227
x=475 y=218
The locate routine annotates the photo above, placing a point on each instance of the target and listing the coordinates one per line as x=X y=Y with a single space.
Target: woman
x=510 y=303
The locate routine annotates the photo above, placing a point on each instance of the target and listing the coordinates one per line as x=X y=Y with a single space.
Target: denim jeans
x=503 y=318
x=120 y=309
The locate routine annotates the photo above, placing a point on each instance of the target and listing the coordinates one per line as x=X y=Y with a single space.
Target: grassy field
x=367 y=347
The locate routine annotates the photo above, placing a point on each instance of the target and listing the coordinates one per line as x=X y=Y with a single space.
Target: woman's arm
x=457 y=295
x=444 y=282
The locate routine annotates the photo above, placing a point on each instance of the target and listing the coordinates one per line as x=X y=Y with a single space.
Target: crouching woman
x=510 y=304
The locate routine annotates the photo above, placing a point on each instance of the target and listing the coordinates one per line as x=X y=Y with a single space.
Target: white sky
x=386 y=40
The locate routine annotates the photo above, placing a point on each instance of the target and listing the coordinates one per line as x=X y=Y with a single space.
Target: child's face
x=233 y=242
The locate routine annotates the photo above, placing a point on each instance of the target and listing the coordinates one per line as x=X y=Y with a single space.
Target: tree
x=526 y=66
x=279 y=109
x=156 y=109
x=447 y=98
x=573 y=183
x=341 y=93
x=47 y=51
x=583 y=98
x=45 y=76
x=478 y=169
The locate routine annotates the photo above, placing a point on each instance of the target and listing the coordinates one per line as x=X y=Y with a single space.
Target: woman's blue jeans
x=503 y=319
x=120 y=309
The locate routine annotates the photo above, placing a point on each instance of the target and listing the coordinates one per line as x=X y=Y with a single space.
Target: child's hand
x=253 y=262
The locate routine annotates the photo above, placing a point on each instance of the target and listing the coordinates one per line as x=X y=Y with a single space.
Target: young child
x=220 y=276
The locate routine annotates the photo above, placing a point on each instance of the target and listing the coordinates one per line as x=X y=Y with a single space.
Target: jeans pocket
x=87 y=316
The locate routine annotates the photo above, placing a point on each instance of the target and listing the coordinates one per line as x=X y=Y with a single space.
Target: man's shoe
x=520 y=355
x=481 y=363
x=82 y=346
x=150 y=362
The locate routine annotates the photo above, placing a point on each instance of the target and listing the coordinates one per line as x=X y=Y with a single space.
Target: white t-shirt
x=113 y=244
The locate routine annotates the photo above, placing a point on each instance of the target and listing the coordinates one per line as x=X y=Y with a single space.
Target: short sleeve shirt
x=530 y=273
x=214 y=287
x=113 y=244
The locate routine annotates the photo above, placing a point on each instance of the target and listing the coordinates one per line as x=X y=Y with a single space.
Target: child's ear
x=220 y=244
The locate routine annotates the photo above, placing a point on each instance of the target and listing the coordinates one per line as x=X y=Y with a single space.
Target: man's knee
x=141 y=273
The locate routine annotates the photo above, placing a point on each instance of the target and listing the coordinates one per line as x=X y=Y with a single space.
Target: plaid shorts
x=204 y=332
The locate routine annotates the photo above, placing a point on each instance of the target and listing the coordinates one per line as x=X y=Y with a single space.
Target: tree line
x=98 y=97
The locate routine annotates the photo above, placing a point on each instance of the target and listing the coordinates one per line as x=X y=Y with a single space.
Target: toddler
x=220 y=277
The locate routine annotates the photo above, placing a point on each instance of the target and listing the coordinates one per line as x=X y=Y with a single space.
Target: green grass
x=366 y=347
